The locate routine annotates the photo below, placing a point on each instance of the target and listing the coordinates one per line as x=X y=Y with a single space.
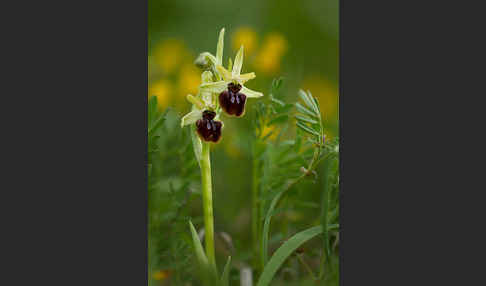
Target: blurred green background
x=296 y=40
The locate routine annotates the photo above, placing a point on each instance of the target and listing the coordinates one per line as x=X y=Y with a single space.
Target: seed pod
x=232 y=100
x=208 y=129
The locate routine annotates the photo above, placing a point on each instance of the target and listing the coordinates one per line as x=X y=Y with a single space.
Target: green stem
x=306 y=266
x=207 y=203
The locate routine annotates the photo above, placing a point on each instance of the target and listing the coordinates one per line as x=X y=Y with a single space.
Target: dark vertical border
x=79 y=169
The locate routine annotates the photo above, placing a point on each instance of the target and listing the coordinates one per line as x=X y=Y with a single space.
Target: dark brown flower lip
x=208 y=114
x=232 y=103
x=208 y=129
x=235 y=88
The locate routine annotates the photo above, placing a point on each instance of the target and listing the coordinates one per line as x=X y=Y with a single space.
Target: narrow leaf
x=308 y=101
x=158 y=122
x=201 y=257
x=279 y=119
x=225 y=275
x=279 y=102
x=307 y=129
x=304 y=110
x=284 y=252
x=208 y=273
x=266 y=227
x=306 y=119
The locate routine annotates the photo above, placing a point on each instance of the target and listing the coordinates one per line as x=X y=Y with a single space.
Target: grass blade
x=284 y=252
x=158 y=122
x=225 y=275
x=208 y=274
x=201 y=256
x=266 y=228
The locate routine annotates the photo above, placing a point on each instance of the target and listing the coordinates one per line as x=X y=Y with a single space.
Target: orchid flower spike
x=231 y=89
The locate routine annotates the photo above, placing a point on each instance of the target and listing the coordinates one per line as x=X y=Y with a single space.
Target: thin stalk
x=307 y=267
x=207 y=203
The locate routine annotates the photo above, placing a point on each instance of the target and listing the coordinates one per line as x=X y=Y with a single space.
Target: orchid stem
x=207 y=203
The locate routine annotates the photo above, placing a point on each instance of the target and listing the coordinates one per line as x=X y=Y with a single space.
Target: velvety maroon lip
x=232 y=101
x=208 y=129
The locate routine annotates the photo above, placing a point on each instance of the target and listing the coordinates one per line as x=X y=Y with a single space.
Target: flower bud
x=202 y=62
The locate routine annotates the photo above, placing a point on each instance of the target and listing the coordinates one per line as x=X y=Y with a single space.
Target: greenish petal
x=220 y=47
x=242 y=78
x=214 y=87
x=191 y=117
x=250 y=93
x=225 y=74
x=238 y=62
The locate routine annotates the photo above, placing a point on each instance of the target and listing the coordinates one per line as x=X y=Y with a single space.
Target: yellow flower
x=267 y=129
x=269 y=57
x=246 y=37
x=189 y=79
x=162 y=89
x=325 y=92
x=161 y=274
x=170 y=54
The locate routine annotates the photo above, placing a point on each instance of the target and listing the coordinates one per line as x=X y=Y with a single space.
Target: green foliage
x=283 y=163
x=295 y=169
x=225 y=275
x=284 y=252
x=172 y=177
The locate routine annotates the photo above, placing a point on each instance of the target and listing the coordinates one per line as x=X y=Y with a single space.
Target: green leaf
x=307 y=129
x=283 y=109
x=266 y=226
x=277 y=101
x=201 y=257
x=277 y=83
x=304 y=110
x=279 y=119
x=309 y=101
x=225 y=275
x=306 y=119
x=284 y=251
x=208 y=273
x=158 y=122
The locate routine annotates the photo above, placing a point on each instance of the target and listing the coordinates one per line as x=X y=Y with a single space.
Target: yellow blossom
x=169 y=54
x=247 y=37
x=161 y=274
x=162 y=89
x=267 y=129
x=189 y=79
x=269 y=57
